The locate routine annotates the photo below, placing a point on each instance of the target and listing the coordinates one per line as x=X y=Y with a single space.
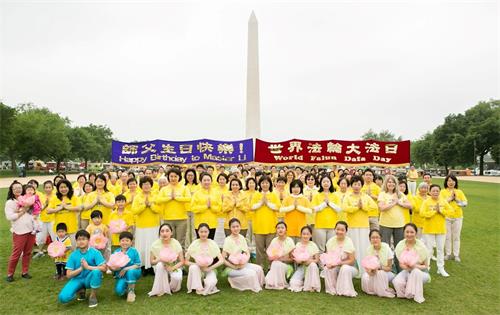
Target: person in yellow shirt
x=412 y=177
x=149 y=173
x=123 y=182
x=147 y=213
x=120 y=214
x=326 y=204
x=357 y=206
x=96 y=227
x=47 y=220
x=392 y=205
x=250 y=190
x=416 y=218
x=265 y=205
x=436 y=210
x=281 y=192
x=403 y=188
x=235 y=205
x=60 y=262
x=191 y=182
x=290 y=176
x=173 y=199
x=132 y=190
x=372 y=190
x=344 y=188
x=310 y=190
x=295 y=207
x=113 y=185
x=457 y=200
x=65 y=207
x=78 y=185
x=88 y=187
x=101 y=199
x=206 y=205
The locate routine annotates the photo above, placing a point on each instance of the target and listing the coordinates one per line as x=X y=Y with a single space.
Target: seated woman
x=375 y=280
x=203 y=251
x=279 y=253
x=242 y=274
x=340 y=266
x=168 y=260
x=409 y=283
x=306 y=256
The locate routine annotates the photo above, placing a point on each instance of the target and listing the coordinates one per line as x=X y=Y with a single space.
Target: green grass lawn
x=473 y=288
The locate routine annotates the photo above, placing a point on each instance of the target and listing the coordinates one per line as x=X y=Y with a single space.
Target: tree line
x=28 y=132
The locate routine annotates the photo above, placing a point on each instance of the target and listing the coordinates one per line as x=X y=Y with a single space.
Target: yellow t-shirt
x=199 y=207
x=265 y=216
x=146 y=216
x=295 y=219
x=238 y=211
x=309 y=193
x=358 y=217
x=393 y=217
x=174 y=209
x=326 y=216
x=67 y=242
x=70 y=218
x=416 y=218
x=435 y=222
x=108 y=197
x=127 y=217
x=44 y=216
x=459 y=197
x=98 y=229
x=374 y=190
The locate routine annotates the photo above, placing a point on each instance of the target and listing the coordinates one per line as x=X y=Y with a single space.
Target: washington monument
x=253 y=91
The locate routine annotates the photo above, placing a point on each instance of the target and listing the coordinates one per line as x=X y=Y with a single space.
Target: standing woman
x=326 y=204
x=376 y=281
x=403 y=189
x=206 y=257
x=436 y=210
x=306 y=276
x=131 y=192
x=295 y=207
x=21 y=222
x=412 y=176
x=265 y=206
x=338 y=276
x=88 y=187
x=235 y=205
x=310 y=190
x=250 y=190
x=147 y=214
x=206 y=205
x=372 y=190
x=78 y=185
x=166 y=270
x=344 y=187
x=191 y=183
x=418 y=200
x=358 y=206
x=392 y=205
x=65 y=207
x=409 y=283
x=46 y=219
x=281 y=259
x=290 y=176
x=457 y=201
x=242 y=275
x=101 y=199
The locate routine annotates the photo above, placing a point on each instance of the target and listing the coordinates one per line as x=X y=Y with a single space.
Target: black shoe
x=144 y=271
x=151 y=271
x=9 y=278
x=26 y=276
x=81 y=296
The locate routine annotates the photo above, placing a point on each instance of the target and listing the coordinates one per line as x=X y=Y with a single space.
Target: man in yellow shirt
x=372 y=190
x=412 y=177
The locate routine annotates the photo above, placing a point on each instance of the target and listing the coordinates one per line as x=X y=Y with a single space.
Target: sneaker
x=10 y=278
x=447 y=257
x=457 y=259
x=81 y=296
x=131 y=296
x=26 y=276
x=442 y=272
x=434 y=258
x=38 y=255
x=108 y=272
x=92 y=301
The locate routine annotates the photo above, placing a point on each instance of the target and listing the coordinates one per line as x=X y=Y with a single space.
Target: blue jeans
x=92 y=281
x=130 y=277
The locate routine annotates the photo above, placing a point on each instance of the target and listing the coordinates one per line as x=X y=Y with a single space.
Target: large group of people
x=298 y=225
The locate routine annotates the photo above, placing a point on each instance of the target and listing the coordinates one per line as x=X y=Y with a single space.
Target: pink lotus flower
x=56 y=249
x=117 y=226
x=275 y=251
x=301 y=254
x=118 y=260
x=333 y=257
x=98 y=241
x=409 y=257
x=203 y=260
x=370 y=262
x=167 y=255
x=239 y=258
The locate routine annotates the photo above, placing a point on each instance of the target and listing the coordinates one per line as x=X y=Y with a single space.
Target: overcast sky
x=177 y=70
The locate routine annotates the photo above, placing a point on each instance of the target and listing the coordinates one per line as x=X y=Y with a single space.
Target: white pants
x=361 y=241
x=412 y=187
x=321 y=236
x=438 y=239
x=195 y=278
x=47 y=229
x=453 y=230
x=162 y=284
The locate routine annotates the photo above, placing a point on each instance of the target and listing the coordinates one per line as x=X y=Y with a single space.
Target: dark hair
x=126 y=234
x=203 y=174
x=378 y=177
x=70 y=189
x=343 y=178
x=131 y=180
x=96 y=214
x=82 y=233
x=29 y=186
x=92 y=174
x=162 y=225
x=58 y=176
x=48 y=182
x=210 y=166
x=121 y=197
x=91 y=185
x=314 y=177
x=406 y=186
x=145 y=179
x=81 y=175
x=195 y=180
x=374 y=231
x=248 y=181
x=102 y=177
x=222 y=175
x=175 y=171
x=281 y=179
x=33 y=181
x=200 y=165
x=434 y=185
x=233 y=220
x=307 y=227
x=236 y=180
x=297 y=182
x=268 y=179
x=357 y=178
x=331 y=189
x=203 y=225
x=61 y=226
x=281 y=222
x=412 y=225
x=342 y=223
x=369 y=170
x=286 y=174
x=453 y=178
x=429 y=174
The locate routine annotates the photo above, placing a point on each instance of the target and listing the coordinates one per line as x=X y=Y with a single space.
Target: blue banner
x=181 y=152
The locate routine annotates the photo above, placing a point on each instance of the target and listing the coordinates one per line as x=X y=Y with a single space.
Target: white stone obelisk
x=253 y=91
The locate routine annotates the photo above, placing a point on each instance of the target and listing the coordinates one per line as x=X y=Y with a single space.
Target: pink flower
x=239 y=258
x=167 y=255
x=409 y=257
x=370 y=262
x=98 y=241
x=56 y=249
x=118 y=260
x=117 y=226
x=301 y=254
x=333 y=257
x=275 y=251
x=203 y=260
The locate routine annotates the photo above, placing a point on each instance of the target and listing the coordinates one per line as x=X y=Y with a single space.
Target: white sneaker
x=447 y=257
x=457 y=259
x=442 y=272
x=434 y=258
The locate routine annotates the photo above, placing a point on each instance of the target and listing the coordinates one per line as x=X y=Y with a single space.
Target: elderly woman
x=21 y=227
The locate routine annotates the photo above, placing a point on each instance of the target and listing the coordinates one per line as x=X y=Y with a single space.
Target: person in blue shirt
x=126 y=277
x=85 y=268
